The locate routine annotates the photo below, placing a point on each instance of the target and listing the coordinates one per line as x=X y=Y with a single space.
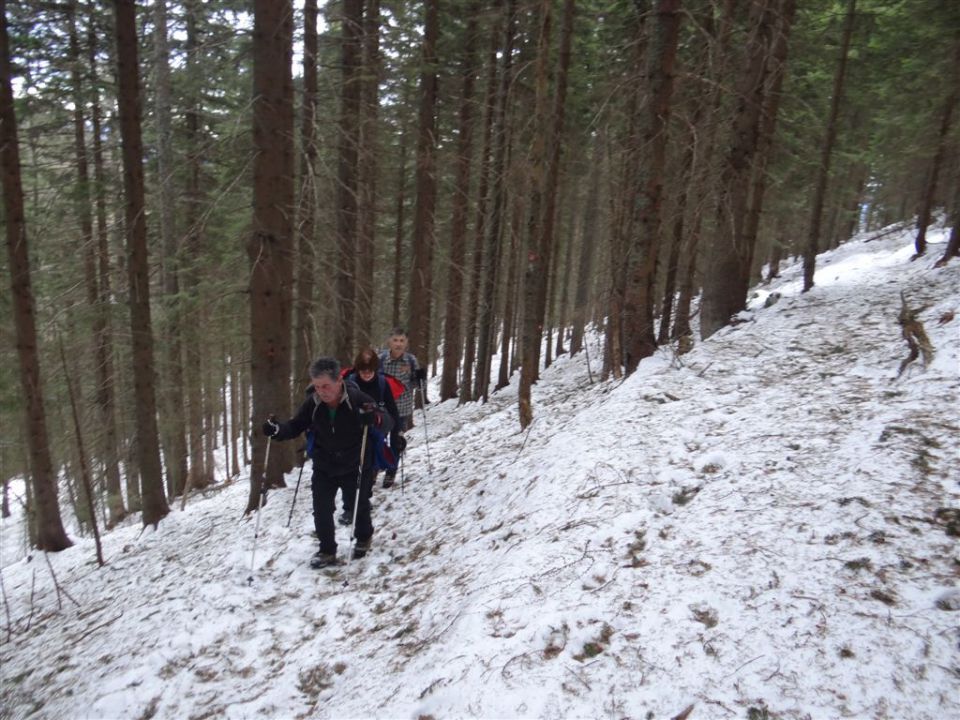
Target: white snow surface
x=751 y=530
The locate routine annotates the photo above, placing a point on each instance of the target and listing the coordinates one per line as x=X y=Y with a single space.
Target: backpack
x=384 y=458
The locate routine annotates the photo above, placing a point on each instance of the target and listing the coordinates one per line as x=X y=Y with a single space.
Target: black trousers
x=324 y=488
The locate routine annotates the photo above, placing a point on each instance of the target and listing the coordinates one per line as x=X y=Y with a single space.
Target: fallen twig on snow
x=56 y=584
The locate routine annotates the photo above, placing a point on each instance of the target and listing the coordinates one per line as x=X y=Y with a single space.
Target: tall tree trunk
x=702 y=176
x=303 y=330
x=494 y=231
x=639 y=301
x=237 y=423
x=347 y=179
x=930 y=191
x=398 y=235
x=226 y=417
x=50 y=532
x=587 y=249
x=776 y=255
x=689 y=171
x=271 y=242
x=82 y=204
x=511 y=294
x=722 y=294
x=953 y=242
x=199 y=474
x=622 y=203
x=537 y=265
x=480 y=218
x=543 y=218
x=421 y=281
x=830 y=136
x=456 y=275
x=148 y=450
x=563 y=286
x=767 y=129
x=370 y=117
x=172 y=426
x=81 y=451
x=103 y=326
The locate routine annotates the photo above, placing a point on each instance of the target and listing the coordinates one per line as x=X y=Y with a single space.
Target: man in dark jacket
x=338 y=414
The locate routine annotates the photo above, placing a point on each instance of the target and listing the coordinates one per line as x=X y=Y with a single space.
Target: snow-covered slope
x=751 y=530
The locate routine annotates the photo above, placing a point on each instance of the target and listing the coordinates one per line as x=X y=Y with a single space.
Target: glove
x=271 y=428
x=399 y=444
x=420 y=374
x=367 y=415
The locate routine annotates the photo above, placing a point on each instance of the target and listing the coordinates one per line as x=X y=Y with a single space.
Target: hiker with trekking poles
x=340 y=417
x=368 y=376
x=402 y=365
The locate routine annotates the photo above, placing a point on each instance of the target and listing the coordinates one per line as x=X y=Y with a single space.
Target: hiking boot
x=322 y=560
x=361 y=548
x=389 y=479
x=345 y=518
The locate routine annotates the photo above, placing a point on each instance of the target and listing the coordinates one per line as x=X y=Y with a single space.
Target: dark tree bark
x=456 y=275
x=348 y=178
x=49 y=525
x=91 y=511
x=480 y=222
x=639 y=301
x=537 y=264
x=398 y=235
x=200 y=474
x=689 y=170
x=542 y=224
x=622 y=201
x=84 y=214
x=368 y=171
x=237 y=420
x=102 y=324
x=946 y=117
x=271 y=242
x=722 y=295
x=303 y=330
x=768 y=125
x=421 y=280
x=587 y=249
x=172 y=425
x=494 y=230
x=953 y=243
x=508 y=360
x=154 y=499
x=563 y=286
x=702 y=179
x=82 y=205
x=830 y=136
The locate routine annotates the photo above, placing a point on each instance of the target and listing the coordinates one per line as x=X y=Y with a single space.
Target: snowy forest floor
x=766 y=528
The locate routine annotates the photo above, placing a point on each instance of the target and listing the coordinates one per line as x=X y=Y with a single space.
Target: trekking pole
x=426 y=435
x=295 y=491
x=356 y=499
x=263 y=497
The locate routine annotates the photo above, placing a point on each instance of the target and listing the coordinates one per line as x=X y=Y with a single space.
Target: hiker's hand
x=420 y=374
x=367 y=415
x=271 y=428
x=399 y=444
